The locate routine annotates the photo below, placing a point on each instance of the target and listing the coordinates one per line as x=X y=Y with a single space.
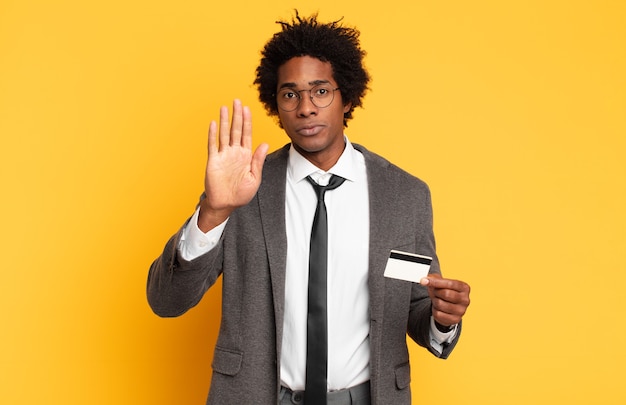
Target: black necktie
x=317 y=329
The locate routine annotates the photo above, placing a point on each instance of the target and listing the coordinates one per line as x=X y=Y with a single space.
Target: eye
x=321 y=92
x=289 y=95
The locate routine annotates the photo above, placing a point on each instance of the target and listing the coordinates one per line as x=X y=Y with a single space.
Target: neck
x=324 y=160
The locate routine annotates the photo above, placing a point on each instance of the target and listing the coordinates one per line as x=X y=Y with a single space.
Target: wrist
x=209 y=218
x=444 y=328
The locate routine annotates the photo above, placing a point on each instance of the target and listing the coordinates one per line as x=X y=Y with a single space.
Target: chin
x=320 y=142
x=309 y=145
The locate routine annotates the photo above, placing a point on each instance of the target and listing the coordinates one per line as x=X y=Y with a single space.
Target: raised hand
x=233 y=172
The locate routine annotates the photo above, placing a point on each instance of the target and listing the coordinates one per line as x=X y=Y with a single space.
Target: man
x=257 y=225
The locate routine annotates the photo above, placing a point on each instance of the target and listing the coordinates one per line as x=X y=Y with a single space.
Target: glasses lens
x=288 y=99
x=321 y=96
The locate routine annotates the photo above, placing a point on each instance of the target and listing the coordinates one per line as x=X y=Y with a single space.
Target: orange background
x=513 y=112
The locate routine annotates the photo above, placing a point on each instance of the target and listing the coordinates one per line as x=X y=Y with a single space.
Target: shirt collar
x=347 y=166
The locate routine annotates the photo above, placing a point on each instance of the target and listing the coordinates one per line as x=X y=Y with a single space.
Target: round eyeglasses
x=321 y=96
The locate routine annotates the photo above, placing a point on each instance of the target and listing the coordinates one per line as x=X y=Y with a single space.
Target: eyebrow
x=293 y=85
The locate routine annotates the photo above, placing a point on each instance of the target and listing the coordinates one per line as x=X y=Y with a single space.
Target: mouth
x=309 y=130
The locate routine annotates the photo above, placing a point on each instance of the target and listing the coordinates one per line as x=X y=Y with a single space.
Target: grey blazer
x=251 y=258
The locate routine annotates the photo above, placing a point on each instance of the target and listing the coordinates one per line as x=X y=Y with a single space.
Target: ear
x=347 y=107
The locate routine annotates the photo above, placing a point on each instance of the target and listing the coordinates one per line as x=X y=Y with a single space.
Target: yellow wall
x=514 y=113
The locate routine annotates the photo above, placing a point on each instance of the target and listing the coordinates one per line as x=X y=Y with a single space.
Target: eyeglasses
x=321 y=96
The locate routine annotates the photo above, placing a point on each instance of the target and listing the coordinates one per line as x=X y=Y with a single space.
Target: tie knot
x=333 y=183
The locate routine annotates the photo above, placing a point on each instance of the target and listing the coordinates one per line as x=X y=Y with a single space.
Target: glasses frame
x=311 y=97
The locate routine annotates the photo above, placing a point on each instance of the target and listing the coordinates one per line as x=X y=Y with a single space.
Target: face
x=317 y=133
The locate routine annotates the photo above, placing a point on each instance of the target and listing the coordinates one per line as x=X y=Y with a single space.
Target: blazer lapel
x=380 y=232
x=271 y=197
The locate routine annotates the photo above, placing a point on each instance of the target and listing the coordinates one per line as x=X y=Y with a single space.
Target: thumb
x=258 y=159
x=426 y=280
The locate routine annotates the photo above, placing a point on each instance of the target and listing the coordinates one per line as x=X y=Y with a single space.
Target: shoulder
x=275 y=166
x=278 y=156
x=276 y=162
x=381 y=170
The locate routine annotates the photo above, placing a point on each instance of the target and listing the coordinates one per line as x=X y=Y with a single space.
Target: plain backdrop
x=514 y=112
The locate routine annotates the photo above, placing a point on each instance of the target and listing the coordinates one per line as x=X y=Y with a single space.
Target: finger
x=246 y=137
x=446 y=319
x=450 y=297
x=212 y=143
x=435 y=281
x=224 y=128
x=236 y=125
x=441 y=307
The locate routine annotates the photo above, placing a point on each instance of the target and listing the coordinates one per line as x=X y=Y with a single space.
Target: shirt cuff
x=439 y=339
x=194 y=243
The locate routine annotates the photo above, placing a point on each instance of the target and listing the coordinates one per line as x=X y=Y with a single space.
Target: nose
x=306 y=107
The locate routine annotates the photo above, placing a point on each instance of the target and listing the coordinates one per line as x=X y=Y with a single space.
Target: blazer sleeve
x=174 y=284
x=418 y=327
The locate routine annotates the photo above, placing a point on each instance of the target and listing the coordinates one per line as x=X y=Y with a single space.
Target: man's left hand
x=450 y=298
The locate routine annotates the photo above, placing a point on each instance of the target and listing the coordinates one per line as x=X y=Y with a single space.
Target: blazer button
x=297 y=397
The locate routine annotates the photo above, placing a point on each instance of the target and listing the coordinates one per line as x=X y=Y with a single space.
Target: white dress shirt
x=348 y=247
x=348 y=295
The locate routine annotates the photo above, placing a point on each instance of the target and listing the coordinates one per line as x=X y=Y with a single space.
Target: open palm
x=233 y=171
